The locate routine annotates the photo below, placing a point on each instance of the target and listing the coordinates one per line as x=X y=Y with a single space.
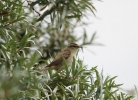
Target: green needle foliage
x=31 y=32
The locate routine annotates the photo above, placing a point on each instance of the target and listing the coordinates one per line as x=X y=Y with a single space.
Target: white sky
x=117 y=29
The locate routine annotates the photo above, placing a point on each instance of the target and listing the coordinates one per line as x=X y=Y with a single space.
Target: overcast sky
x=117 y=28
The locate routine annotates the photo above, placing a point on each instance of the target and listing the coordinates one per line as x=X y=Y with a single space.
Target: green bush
x=26 y=43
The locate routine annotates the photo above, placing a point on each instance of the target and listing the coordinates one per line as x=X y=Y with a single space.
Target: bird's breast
x=70 y=59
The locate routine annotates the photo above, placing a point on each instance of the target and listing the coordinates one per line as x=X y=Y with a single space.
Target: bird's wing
x=58 y=60
x=65 y=53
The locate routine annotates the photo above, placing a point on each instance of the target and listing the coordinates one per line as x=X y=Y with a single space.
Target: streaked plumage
x=67 y=53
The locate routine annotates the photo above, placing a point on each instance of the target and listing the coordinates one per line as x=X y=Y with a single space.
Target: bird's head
x=74 y=46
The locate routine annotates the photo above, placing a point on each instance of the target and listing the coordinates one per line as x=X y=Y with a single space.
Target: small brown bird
x=68 y=53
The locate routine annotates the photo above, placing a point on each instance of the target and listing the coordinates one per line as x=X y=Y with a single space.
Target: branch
x=36 y=11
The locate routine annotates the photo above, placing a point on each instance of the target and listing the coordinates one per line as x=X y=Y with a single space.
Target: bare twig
x=33 y=8
x=36 y=10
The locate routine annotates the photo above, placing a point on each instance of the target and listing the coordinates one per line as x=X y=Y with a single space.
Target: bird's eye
x=75 y=46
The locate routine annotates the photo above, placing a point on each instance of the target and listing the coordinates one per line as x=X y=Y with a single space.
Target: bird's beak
x=79 y=46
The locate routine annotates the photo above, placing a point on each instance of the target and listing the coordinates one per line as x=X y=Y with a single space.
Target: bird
x=67 y=53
